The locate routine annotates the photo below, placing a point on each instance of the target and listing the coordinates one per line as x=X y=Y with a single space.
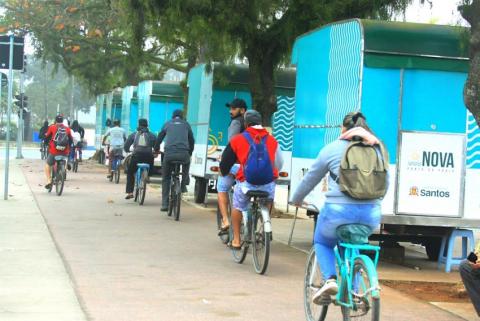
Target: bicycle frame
x=116 y=162
x=138 y=175
x=350 y=253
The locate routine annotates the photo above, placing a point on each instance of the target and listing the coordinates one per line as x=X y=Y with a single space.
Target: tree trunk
x=192 y=61
x=471 y=92
x=262 y=83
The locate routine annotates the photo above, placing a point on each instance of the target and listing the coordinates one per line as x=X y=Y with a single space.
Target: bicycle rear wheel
x=75 y=166
x=239 y=255
x=313 y=281
x=261 y=243
x=60 y=179
x=171 y=197
x=142 y=187
x=117 y=174
x=178 y=199
x=365 y=306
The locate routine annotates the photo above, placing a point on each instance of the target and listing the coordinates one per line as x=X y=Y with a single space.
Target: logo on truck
x=431 y=161
x=428 y=192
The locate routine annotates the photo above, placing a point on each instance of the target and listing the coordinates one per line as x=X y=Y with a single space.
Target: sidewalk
x=35 y=285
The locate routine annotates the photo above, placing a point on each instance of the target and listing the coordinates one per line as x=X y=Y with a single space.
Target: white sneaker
x=328 y=289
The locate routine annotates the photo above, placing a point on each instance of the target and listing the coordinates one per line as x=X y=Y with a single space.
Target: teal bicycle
x=358 y=289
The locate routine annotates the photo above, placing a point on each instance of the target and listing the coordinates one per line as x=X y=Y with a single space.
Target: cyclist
x=238 y=151
x=179 y=144
x=143 y=142
x=76 y=128
x=60 y=138
x=238 y=107
x=42 y=132
x=339 y=208
x=117 y=140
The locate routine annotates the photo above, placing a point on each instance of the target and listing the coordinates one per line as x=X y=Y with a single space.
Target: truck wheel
x=432 y=246
x=200 y=190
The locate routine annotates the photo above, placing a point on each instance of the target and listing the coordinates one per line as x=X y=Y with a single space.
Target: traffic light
x=21 y=101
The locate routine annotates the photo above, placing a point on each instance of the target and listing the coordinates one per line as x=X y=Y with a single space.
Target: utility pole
x=9 y=113
x=71 y=98
x=20 y=117
x=45 y=92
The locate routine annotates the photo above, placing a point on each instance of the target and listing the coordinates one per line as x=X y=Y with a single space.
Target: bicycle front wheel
x=239 y=255
x=313 y=281
x=364 y=282
x=261 y=243
x=60 y=179
x=142 y=187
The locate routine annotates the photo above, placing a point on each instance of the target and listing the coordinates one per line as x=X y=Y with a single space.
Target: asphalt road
x=133 y=263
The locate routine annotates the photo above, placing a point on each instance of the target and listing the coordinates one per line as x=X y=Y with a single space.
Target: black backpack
x=61 y=138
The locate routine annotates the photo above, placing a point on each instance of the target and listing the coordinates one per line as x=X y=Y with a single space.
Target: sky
x=442 y=12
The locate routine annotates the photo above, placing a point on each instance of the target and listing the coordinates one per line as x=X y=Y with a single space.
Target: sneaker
x=328 y=289
x=69 y=167
x=164 y=208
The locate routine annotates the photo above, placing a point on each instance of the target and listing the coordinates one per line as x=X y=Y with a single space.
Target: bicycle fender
x=266 y=219
x=372 y=274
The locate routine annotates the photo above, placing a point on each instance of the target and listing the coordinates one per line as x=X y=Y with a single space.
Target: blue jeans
x=332 y=216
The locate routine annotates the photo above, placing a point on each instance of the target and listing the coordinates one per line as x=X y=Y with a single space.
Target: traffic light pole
x=9 y=114
x=20 y=119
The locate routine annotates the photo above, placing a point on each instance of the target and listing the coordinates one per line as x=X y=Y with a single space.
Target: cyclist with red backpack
x=61 y=139
x=357 y=164
x=143 y=142
x=260 y=159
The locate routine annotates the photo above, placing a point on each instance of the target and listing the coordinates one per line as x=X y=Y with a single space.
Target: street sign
x=4 y=80
x=18 y=44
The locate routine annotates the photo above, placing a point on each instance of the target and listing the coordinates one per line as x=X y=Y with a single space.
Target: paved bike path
x=134 y=263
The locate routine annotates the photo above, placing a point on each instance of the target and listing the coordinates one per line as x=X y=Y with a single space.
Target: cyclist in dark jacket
x=143 y=142
x=43 y=130
x=179 y=143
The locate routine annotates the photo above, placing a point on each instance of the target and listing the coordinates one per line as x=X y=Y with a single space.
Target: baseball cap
x=252 y=117
x=237 y=103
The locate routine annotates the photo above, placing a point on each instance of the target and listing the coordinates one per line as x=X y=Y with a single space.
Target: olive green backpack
x=363 y=171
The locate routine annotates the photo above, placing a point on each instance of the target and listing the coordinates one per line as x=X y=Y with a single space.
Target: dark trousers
x=132 y=168
x=167 y=169
x=471 y=281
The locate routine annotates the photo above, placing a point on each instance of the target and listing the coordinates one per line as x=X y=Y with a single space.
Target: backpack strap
x=248 y=138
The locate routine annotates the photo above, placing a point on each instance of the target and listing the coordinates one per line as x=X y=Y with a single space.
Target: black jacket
x=178 y=137
x=131 y=139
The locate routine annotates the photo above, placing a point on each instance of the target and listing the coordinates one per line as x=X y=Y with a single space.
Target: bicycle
x=43 y=150
x=141 y=178
x=256 y=230
x=175 y=196
x=58 y=174
x=116 y=161
x=358 y=290
x=76 y=157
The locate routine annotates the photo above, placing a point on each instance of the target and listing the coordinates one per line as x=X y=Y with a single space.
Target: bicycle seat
x=143 y=165
x=354 y=233
x=61 y=157
x=259 y=194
